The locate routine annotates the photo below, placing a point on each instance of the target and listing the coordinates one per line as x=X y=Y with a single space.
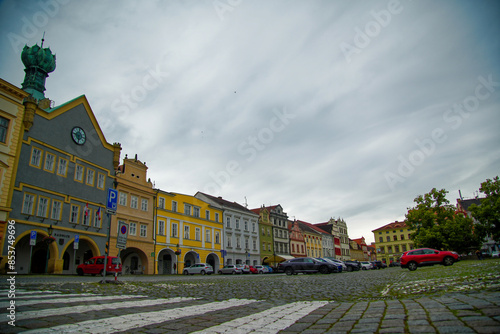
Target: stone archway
x=190 y=258
x=214 y=261
x=134 y=261
x=44 y=254
x=167 y=262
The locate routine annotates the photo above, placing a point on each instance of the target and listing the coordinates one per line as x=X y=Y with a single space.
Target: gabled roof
x=310 y=227
x=466 y=203
x=391 y=226
x=325 y=227
x=225 y=203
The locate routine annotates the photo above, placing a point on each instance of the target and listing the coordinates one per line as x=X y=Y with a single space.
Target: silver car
x=198 y=268
x=230 y=269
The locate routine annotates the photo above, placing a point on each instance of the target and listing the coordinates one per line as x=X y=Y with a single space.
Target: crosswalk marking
x=97 y=307
x=131 y=321
x=67 y=300
x=269 y=321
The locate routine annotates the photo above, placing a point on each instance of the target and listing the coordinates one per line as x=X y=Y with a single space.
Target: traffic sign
x=112 y=199
x=76 y=242
x=33 y=238
x=121 y=240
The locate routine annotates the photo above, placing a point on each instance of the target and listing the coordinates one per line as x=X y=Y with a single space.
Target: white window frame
x=132 y=229
x=36 y=157
x=50 y=161
x=161 y=227
x=143 y=230
x=134 y=201
x=122 y=199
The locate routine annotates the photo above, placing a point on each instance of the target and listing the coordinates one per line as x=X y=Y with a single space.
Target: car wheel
x=412 y=266
x=101 y=272
x=261 y=272
x=364 y=268
x=349 y=268
x=185 y=272
x=203 y=272
x=448 y=261
x=234 y=272
x=289 y=271
x=324 y=270
x=220 y=272
x=79 y=271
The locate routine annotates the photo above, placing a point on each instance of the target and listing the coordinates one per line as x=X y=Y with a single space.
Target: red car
x=95 y=266
x=427 y=257
x=253 y=270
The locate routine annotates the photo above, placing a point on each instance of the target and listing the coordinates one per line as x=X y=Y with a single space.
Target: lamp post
x=177 y=253
x=48 y=240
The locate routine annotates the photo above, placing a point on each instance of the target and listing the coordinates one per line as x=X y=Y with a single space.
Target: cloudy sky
x=330 y=108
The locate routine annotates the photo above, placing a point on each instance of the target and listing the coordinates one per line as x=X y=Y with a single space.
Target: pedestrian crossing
x=49 y=312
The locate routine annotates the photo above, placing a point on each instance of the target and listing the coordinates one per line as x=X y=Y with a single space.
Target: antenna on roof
x=460 y=194
x=246 y=204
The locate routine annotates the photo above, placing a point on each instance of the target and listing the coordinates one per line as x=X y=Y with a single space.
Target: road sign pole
x=31 y=252
x=106 y=253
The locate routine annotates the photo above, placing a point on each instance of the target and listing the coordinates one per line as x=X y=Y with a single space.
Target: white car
x=198 y=268
x=365 y=265
x=261 y=269
x=495 y=254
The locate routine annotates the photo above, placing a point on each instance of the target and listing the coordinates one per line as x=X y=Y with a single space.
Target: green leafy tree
x=436 y=224
x=488 y=213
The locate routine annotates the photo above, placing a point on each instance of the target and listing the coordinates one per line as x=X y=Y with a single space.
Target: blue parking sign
x=112 y=199
x=33 y=238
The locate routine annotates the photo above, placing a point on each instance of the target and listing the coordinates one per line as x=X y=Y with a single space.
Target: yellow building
x=12 y=113
x=188 y=231
x=136 y=200
x=392 y=240
x=312 y=238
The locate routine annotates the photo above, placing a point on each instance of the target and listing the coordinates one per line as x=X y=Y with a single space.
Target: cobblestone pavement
x=359 y=302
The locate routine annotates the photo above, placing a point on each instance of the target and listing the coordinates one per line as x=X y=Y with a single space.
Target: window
x=87 y=213
x=134 y=201
x=197 y=234
x=36 y=157
x=237 y=224
x=132 y=229
x=75 y=212
x=62 y=167
x=380 y=239
x=144 y=230
x=161 y=203
x=395 y=237
x=122 y=199
x=56 y=210
x=144 y=204
x=90 y=177
x=174 y=206
x=207 y=214
x=402 y=237
x=263 y=231
x=388 y=238
x=49 y=162
x=208 y=235
x=187 y=209
x=217 y=236
x=4 y=126
x=254 y=227
x=28 y=203
x=246 y=225
x=101 y=179
x=238 y=242
x=263 y=246
x=43 y=207
x=97 y=218
x=247 y=244
x=196 y=212
x=175 y=232
x=186 y=232
x=228 y=222
x=161 y=227
x=404 y=248
x=396 y=249
x=216 y=217
x=229 y=242
x=79 y=173
x=268 y=231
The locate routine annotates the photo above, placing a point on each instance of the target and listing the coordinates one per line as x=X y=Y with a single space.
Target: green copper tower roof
x=39 y=62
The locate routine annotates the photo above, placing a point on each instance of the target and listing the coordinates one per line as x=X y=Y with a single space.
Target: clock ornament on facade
x=78 y=135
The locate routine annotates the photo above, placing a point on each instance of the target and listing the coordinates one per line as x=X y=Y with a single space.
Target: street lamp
x=177 y=253
x=48 y=240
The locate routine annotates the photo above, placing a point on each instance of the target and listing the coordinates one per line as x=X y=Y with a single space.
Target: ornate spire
x=39 y=62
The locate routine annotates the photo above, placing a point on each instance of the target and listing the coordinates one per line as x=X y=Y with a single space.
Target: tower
x=39 y=62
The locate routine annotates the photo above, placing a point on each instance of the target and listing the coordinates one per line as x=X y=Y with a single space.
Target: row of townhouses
x=56 y=169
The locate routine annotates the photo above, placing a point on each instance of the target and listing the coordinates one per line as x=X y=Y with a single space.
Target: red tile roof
x=392 y=226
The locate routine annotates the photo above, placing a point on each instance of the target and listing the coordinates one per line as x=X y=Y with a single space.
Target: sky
x=345 y=109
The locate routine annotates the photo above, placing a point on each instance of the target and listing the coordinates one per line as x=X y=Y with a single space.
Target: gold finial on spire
x=43 y=39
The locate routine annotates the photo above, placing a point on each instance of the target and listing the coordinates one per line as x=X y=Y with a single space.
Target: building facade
x=188 y=231
x=297 y=240
x=241 y=231
x=392 y=240
x=266 y=236
x=135 y=209
x=313 y=239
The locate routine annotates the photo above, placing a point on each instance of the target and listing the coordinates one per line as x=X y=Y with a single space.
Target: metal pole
x=31 y=252
x=106 y=250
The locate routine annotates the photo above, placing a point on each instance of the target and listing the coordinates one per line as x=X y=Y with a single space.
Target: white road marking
x=96 y=307
x=269 y=321
x=137 y=320
x=67 y=300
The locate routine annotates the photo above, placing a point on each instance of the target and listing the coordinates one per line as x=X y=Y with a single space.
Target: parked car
x=269 y=269
x=261 y=269
x=366 y=265
x=253 y=270
x=305 y=265
x=394 y=264
x=495 y=254
x=344 y=267
x=95 y=266
x=427 y=257
x=337 y=265
x=379 y=265
x=353 y=265
x=245 y=268
x=230 y=269
x=198 y=268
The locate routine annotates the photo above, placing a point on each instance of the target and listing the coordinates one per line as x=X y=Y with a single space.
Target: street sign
x=112 y=201
x=121 y=240
x=76 y=242
x=33 y=238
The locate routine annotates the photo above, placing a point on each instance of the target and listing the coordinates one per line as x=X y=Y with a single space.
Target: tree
x=488 y=213
x=436 y=224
